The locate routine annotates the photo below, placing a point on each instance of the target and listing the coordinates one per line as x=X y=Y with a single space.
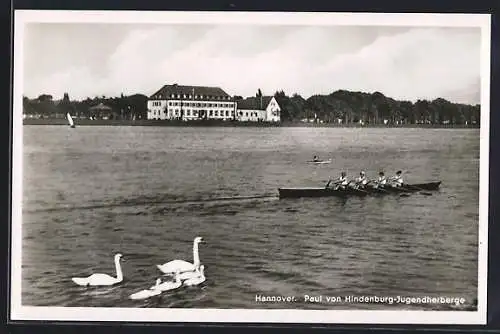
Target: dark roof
x=100 y=106
x=209 y=93
x=254 y=103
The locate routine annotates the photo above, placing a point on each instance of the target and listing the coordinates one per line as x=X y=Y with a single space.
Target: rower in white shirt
x=361 y=181
x=397 y=180
x=340 y=183
x=382 y=180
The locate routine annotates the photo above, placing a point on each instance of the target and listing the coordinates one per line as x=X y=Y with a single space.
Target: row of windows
x=189 y=96
x=252 y=114
x=209 y=105
x=156 y=103
x=215 y=113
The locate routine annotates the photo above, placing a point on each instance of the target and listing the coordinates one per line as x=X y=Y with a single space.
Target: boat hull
x=328 y=192
x=320 y=162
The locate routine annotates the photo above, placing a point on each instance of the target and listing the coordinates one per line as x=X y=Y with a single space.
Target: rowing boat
x=325 y=192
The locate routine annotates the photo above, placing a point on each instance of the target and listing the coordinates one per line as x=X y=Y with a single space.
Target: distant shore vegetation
x=340 y=108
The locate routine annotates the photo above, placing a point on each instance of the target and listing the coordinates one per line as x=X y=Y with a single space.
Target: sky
x=408 y=63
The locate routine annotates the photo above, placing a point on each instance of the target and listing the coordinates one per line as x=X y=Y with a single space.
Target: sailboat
x=70 y=120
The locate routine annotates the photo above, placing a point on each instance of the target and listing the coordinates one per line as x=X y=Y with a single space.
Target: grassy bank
x=88 y=122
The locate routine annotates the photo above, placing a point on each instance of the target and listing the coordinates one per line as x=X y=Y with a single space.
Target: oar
x=378 y=189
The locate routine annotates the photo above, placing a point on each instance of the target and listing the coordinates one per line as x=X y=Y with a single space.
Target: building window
x=196 y=96
x=184 y=95
x=211 y=113
x=195 y=113
x=216 y=113
x=188 y=113
x=227 y=112
x=232 y=113
x=246 y=114
x=159 y=96
x=190 y=96
x=172 y=96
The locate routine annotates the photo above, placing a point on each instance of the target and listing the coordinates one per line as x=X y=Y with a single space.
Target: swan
x=180 y=265
x=190 y=274
x=169 y=285
x=143 y=294
x=102 y=279
x=200 y=278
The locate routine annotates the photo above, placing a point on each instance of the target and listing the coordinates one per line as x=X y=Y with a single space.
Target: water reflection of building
x=190 y=103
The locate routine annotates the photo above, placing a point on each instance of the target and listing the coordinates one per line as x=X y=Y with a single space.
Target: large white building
x=176 y=102
x=191 y=103
x=258 y=109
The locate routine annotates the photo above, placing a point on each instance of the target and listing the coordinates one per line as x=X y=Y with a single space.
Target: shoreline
x=219 y=123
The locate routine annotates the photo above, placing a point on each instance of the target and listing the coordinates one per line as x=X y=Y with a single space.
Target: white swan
x=169 y=285
x=182 y=266
x=190 y=274
x=143 y=294
x=200 y=278
x=102 y=279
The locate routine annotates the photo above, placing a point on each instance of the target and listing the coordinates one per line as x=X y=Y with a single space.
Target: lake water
x=147 y=192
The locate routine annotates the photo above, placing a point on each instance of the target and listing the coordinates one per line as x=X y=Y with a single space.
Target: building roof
x=100 y=106
x=253 y=103
x=200 y=93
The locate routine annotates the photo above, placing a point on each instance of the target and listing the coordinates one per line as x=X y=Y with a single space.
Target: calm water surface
x=146 y=192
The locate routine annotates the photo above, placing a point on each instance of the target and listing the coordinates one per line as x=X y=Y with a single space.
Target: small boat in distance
x=326 y=192
x=319 y=162
x=70 y=121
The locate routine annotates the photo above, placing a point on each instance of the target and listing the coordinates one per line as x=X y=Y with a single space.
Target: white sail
x=70 y=120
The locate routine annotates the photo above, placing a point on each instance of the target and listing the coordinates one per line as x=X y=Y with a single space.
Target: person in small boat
x=397 y=180
x=316 y=158
x=382 y=180
x=361 y=181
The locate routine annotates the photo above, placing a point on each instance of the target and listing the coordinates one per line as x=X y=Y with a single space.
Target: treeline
x=342 y=106
x=352 y=107
x=123 y=107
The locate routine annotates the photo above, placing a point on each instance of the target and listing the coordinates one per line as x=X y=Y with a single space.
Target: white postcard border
x=20 y=312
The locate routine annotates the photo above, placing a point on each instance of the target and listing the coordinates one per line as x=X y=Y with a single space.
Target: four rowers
x=362 y=181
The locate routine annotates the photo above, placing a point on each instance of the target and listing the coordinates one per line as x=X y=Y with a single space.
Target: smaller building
x=101 y=111
x=258 y=109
